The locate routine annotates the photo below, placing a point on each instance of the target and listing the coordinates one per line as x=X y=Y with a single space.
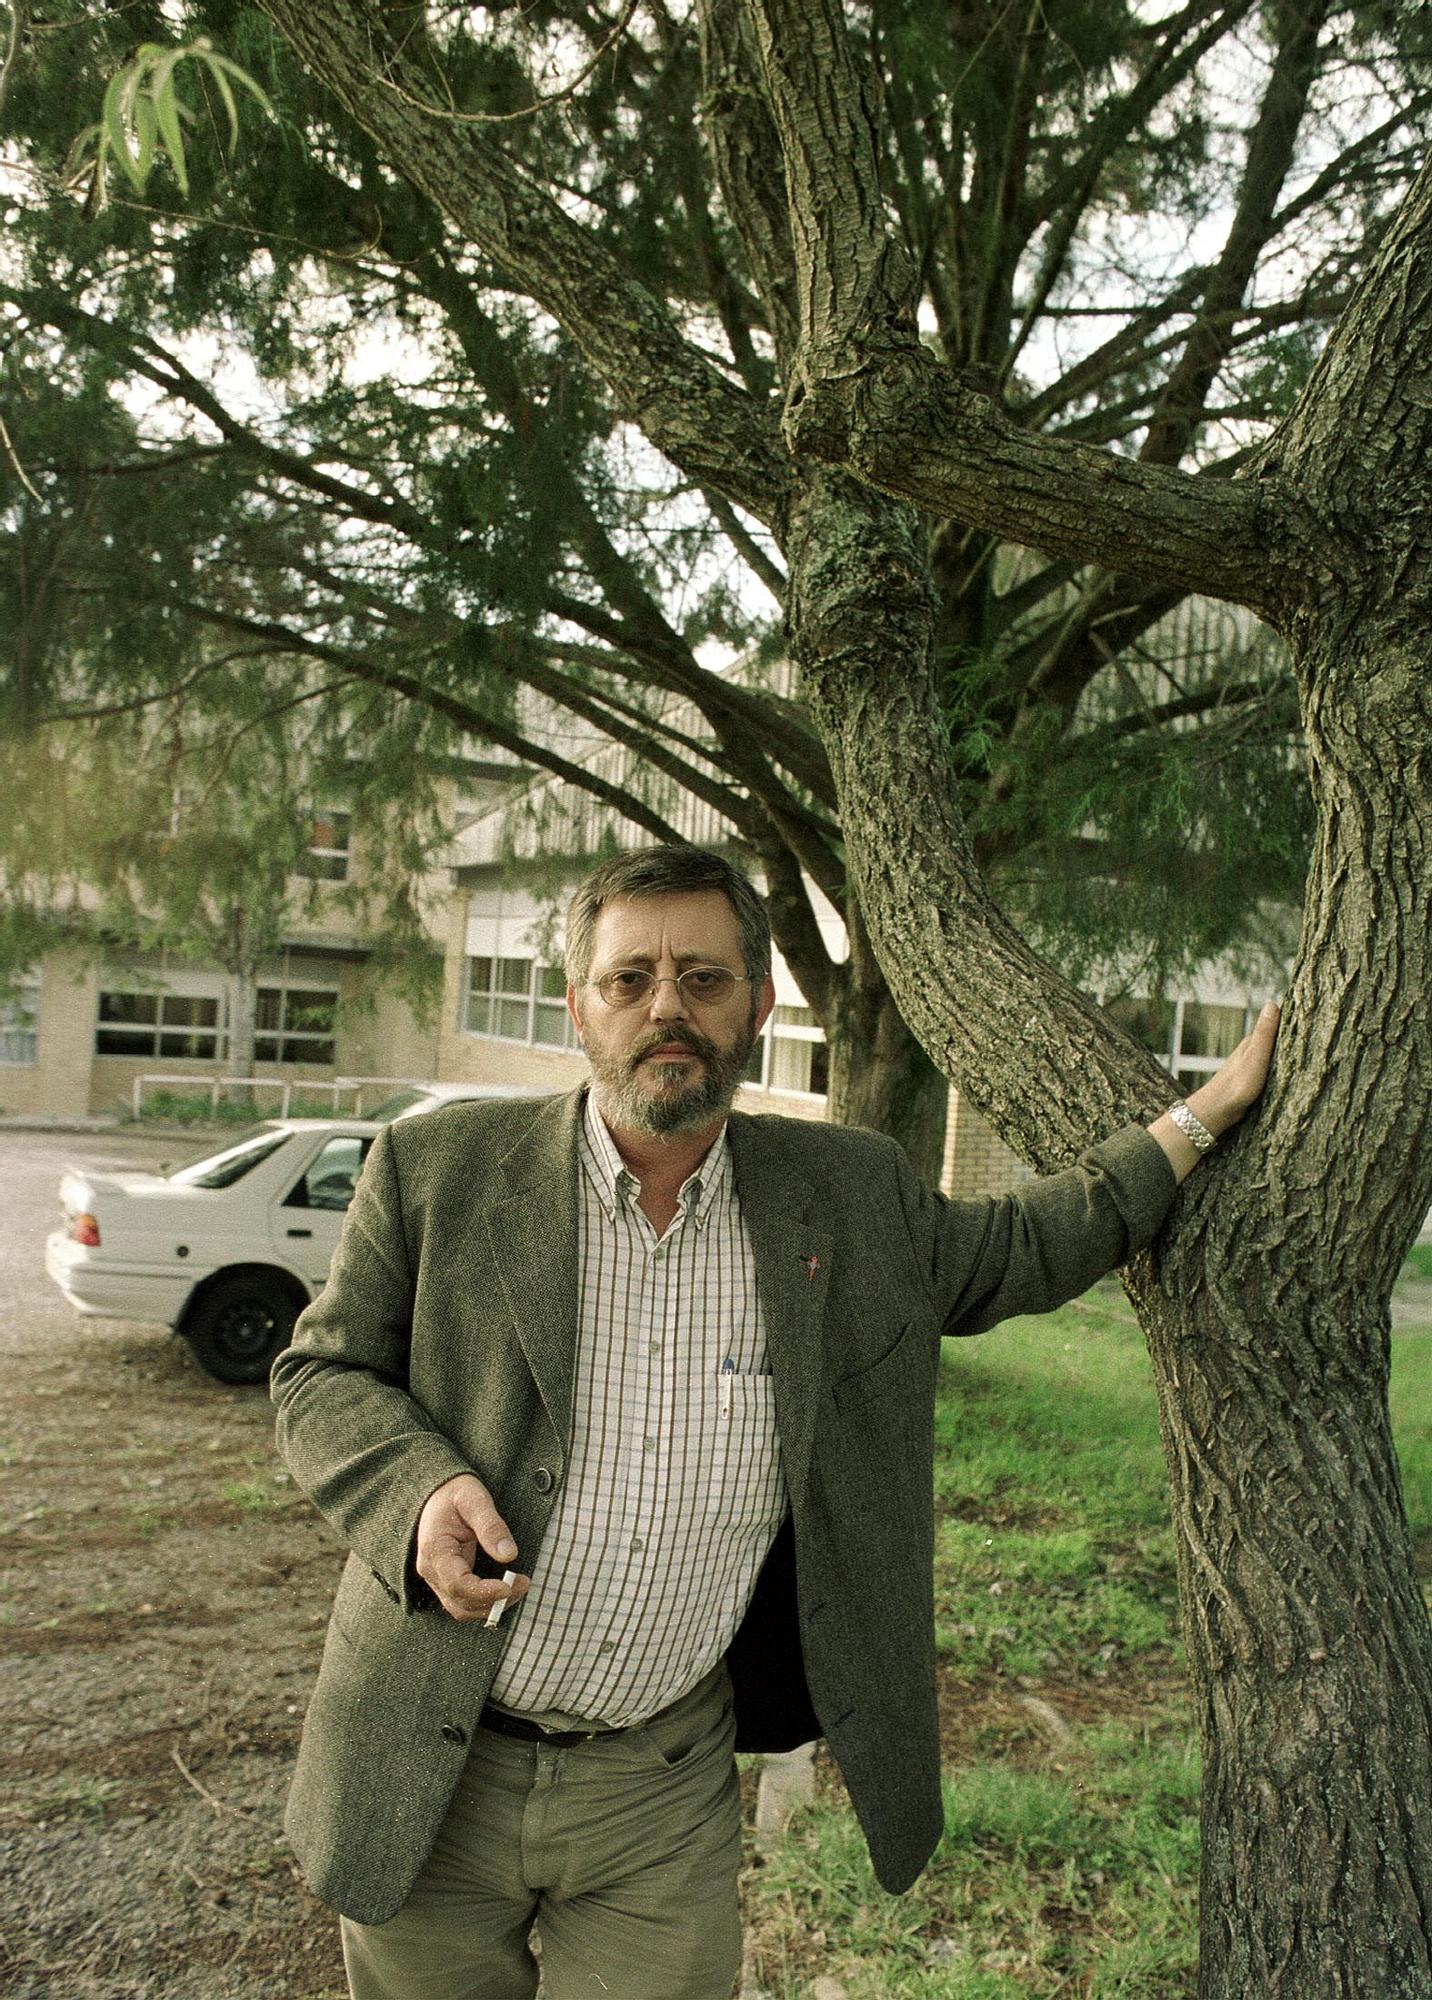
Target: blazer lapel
x=532 y=1240
x=792 y=1246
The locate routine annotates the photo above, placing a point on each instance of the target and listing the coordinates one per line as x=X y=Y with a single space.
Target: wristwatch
x=1192 y=1127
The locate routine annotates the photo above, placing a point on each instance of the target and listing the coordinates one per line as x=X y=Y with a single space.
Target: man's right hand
x=457 y=1520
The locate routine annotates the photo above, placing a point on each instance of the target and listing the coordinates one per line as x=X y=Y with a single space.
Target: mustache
x=687 y=1038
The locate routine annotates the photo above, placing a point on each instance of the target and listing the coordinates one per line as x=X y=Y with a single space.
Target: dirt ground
x=163 y=1594
x=162 y=1602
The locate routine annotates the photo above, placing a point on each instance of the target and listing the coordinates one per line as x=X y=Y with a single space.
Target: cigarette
x=494 y=1616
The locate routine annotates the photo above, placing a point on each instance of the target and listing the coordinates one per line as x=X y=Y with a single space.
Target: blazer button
x=452 y=1734
x=542 y=1479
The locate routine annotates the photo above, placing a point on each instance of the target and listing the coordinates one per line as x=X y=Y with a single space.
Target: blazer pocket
x=899 y=1368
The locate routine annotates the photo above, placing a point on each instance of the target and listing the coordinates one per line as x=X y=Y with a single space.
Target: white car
x=229 y=1249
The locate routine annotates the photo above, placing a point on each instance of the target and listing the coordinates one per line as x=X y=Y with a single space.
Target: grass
x=173 y=1107
x=1070 y=1866
x=1419 y=1262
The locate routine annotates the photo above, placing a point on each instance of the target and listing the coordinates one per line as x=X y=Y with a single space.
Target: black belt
x=503 y=1724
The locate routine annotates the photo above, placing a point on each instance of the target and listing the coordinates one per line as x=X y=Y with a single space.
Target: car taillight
x=85 y=1229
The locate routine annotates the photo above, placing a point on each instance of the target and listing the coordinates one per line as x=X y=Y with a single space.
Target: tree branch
x=475 y=721
x=716 y=432
x=1270 y=156
x=868 y=397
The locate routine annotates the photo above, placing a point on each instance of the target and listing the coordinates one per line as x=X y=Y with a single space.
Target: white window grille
x=295 y=1024
x=327 y=856
x=174 y=1025
x=20 y=1021
x=518 y=1000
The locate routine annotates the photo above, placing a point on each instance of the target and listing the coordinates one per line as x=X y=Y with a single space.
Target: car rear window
x=221 y=1170
x=391 y=1107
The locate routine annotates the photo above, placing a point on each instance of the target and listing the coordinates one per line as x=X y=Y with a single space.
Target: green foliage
x=144 y=116
x=381 y=449
x=1069 y=1869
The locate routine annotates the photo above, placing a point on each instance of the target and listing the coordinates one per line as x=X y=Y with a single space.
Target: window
x=294 y=1024
x=20 y=1021
x=1191 y=1038
x=1206 y=1036
x=800 y=1060
x=221 y=1170
x=518 y=1000
x=331 y=1178
x=183 y=1025
x=327 y=856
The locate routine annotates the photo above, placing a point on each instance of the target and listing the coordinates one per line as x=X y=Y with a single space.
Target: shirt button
x=452 y=1734
x=607 y=1646
x=542 y=1479
x=637 y=1546
x=656 y=1347
x=648 y=1444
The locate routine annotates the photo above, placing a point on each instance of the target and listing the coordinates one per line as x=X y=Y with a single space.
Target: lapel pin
x=812 y=1265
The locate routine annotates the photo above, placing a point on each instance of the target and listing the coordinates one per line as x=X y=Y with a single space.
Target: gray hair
x=667 y=871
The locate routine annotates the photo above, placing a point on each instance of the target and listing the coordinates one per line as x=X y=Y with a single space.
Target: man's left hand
x=1222 y=1101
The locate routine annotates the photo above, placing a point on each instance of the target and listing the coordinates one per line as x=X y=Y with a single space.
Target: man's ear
x=765 y=1003
x=572 y=1010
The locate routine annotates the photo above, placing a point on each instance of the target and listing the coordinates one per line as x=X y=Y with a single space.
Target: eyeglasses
x=633 y=986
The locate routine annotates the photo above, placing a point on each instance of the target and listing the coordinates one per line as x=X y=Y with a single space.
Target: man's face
x=668 y=1064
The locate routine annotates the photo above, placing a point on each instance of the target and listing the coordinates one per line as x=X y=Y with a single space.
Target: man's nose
x=667 y=1000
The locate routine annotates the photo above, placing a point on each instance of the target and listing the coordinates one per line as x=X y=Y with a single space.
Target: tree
x=129 y=822
x=1266 y=1302
x=1070 y=753
x=1266 y=1305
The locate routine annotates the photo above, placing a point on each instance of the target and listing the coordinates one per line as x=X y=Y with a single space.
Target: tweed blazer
x=444 y=1343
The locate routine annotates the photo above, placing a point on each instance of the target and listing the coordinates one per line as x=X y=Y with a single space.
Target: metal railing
x=305 y=1087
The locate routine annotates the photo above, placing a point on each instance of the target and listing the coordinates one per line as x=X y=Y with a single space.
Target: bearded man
x=683 y=1361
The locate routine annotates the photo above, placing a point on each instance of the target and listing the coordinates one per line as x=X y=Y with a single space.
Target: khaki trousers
x=623 y=1852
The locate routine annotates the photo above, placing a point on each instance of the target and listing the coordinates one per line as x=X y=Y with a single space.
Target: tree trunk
x=1307 y=1637
x=881 y=1078
x=243 y=1002
x=1265 y=1302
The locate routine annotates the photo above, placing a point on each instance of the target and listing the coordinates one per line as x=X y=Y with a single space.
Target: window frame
x=329 y=819
x=282 y=1034
x=492 y=995
x=24 y=1006
x=159 y=1027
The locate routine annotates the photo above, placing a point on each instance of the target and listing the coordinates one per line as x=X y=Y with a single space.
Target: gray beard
x=625 y=1100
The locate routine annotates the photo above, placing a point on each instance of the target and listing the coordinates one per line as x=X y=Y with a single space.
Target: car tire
x=239 y=1325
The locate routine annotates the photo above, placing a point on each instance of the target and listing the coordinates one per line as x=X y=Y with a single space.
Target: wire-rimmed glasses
x=703 y=985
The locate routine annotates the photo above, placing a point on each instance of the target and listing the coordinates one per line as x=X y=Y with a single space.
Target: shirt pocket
x=746 y=1487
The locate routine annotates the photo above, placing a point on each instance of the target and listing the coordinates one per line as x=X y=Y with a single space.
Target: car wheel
x=240 y=1325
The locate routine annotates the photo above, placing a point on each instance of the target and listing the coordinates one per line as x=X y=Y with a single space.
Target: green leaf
x=251 y=84
x=221 y=84
x=146 y=126
x=166 y=105
x=118 y=100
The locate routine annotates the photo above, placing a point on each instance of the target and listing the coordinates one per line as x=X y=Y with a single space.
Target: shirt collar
x=612 y=1179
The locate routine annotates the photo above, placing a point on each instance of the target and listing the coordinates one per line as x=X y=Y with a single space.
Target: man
x=681 y=1366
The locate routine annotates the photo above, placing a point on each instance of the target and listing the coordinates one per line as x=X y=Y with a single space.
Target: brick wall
x=977 y=1162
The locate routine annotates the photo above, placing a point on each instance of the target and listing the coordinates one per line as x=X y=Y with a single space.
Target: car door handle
x=298 y=1232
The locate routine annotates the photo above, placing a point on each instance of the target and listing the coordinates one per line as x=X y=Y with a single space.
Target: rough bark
x=243 y=1004
x=1266 y=1305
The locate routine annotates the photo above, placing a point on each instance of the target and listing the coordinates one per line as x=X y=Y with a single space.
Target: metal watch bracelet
x=1192 y=1127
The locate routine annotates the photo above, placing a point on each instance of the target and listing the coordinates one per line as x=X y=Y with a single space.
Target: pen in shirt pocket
x=728 y=1369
